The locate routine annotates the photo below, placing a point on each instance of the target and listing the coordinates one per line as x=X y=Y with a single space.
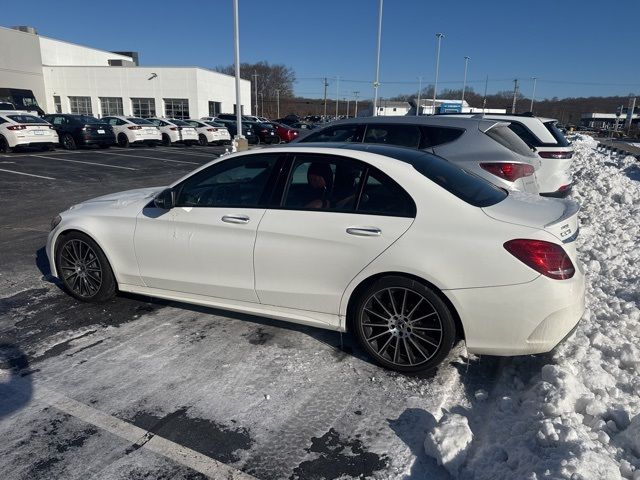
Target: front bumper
x=521 y=319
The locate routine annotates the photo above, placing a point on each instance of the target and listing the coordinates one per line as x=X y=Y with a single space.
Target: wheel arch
x=364 y=284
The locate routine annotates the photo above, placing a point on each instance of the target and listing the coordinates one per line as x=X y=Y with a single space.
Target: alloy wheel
x=401 y=326
x=80 y=268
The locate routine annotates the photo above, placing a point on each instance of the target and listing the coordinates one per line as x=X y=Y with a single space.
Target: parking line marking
x=86 y=163
x=151 y=158
x=139 y=437
x=27 y=174
x=194 y=154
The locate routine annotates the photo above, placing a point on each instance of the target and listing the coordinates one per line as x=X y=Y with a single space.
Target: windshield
x=27 y=119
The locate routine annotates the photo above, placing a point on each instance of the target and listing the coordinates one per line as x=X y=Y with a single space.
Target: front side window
x=176 y=108
x=80 y=105
x=401 y=135
x=111 y=106
x=322 y=182
x=143 y=107
x=341 y=133
x=240 y=182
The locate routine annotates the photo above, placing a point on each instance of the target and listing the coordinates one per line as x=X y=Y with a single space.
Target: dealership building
x=69 y=78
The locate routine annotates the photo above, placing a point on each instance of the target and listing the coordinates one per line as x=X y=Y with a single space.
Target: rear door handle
x=364 y=231
x=235 y=219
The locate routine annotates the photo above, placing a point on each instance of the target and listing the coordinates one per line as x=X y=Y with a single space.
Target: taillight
x=509 y=171
x=16 y=127
x=212 y=129
x=557 y=155
x=547 y=258
x=174 y=128
x=135 y=127
x=51 y=127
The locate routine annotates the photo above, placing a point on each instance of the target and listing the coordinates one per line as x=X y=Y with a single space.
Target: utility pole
x=347 y=100
x=376 y=83
x=255 y=92
x=533 y=95
x=337 y=93
x=484 y=99
x=515 y=95
x=419 y=92
x=355 y=113
x=262 y=103
x=439 y=36
x=278 y=102
x=240 y=143
x=464 y=84
x=326 y=84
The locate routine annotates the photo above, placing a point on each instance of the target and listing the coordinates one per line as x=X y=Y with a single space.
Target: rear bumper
x=99 y=140
x=521 y=319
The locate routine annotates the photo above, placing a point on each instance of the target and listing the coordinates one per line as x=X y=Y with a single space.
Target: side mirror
x=165 y=199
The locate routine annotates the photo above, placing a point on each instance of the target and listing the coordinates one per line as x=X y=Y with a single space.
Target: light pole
x=255 y=91
x=419 y=92
x=533 y=95
x=439 y=36
x=278 y=103
x=262 y=103
x=240 y=143
x=326 y=84
x=345 y=99
x=464 y=83
x=355 y=113
x=376 y=83
x=337 y=94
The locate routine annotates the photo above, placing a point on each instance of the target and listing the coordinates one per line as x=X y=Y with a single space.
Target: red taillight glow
x=16 y=127
x=174 y=128
x=135 y=127
x=212 y=129
x=509 y=171
x=547 y=258
x=556 y=155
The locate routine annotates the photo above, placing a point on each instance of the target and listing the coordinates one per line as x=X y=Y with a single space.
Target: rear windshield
x=139 y=121
x=557 y=134
x=86 y=119
x=27 y=119
x=507 y=138
x=214 y=124
x=180 y=123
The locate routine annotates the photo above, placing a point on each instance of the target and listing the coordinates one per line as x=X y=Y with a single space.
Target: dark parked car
x=78 y=130
x=285 y=132
x=265 y=131
x=247 y=130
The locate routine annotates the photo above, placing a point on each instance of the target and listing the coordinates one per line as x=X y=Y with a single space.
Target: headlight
x=55 y=221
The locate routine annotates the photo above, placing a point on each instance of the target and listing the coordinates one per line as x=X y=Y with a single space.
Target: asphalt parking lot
x=142 y=388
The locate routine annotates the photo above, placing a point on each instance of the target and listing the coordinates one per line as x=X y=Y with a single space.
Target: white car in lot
x=175 y=131
x=128 y=130
x=398 y=246
x=21 y=129
x=210 y=132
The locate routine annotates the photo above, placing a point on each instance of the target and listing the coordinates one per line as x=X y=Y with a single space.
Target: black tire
x=166 y=140
x=403 y=325
x=123 y=141
x=68 y=142
x=84 y=269
x=202 y=140
x=4 y=145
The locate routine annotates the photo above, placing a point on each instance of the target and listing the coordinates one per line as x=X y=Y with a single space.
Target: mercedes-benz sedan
x=398 y=246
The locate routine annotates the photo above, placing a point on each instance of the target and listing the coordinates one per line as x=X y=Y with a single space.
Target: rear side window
x=507 y=138
x=383 y=196
x=27 y=119
x=433 y=136
x=525 y=134
x=401 y=135
x=557 y=134
x=341 y=133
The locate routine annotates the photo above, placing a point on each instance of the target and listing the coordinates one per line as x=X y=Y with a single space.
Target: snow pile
x=448 y=442
x=575 y=413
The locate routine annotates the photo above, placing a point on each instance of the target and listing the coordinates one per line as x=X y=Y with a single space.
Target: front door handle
x=364 y=231
x=235 y=219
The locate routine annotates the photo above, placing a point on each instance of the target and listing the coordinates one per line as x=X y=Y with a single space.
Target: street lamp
x=464 y=83
x=533 y=94
x=355 y=113
x=376 y=83
x=240 y=143
x=419 y=91
x=255 y=91
x=278 y=103
x=439 y=36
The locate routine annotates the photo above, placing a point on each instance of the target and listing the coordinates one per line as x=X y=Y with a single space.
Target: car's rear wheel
x=202 y=140
x=166 y=140
x=4 y=145
x=68 y=142
x=83 y=268
x=403 y=324
x=123 y=141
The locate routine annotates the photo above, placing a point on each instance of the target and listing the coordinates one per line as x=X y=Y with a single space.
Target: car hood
x=557 y=216
x=128 y=197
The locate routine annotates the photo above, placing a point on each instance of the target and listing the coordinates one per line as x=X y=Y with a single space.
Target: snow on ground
x=574 y=413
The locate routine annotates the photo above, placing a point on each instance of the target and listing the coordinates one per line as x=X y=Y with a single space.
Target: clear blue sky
x=573 y=48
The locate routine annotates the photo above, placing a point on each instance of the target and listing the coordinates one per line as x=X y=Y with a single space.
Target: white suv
x=210 y=132
x=20 y=129
x=175 y=131
x=555 y=152
x=130 y=130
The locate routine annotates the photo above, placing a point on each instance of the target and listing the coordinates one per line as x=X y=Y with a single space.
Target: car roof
x=448 y=121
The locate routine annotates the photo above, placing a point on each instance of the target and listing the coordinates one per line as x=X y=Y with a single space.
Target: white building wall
x=57 y=52
x=20 y=62
x=197 y=85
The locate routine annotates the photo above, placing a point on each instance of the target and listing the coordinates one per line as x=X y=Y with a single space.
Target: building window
x=215 y=108
x=143 y=107
x=235 y=109
x=80 y=105
x=111 y=106
x=57 y=103
x=176 y=108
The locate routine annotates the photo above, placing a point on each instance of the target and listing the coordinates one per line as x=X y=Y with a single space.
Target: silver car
x=487 y=148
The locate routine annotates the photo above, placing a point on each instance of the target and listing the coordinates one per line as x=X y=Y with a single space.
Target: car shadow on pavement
x=16 y=392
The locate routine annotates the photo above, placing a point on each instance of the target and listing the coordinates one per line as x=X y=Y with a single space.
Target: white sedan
x=210 y=132
x=20 y=129
x=128 y=130
x=175 y=131
x=408 y=260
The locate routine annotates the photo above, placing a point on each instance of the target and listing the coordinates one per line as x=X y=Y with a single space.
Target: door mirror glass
x=165 y=199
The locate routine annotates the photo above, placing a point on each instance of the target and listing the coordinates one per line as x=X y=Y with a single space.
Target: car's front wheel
x=403 y=324
x=83 y=268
